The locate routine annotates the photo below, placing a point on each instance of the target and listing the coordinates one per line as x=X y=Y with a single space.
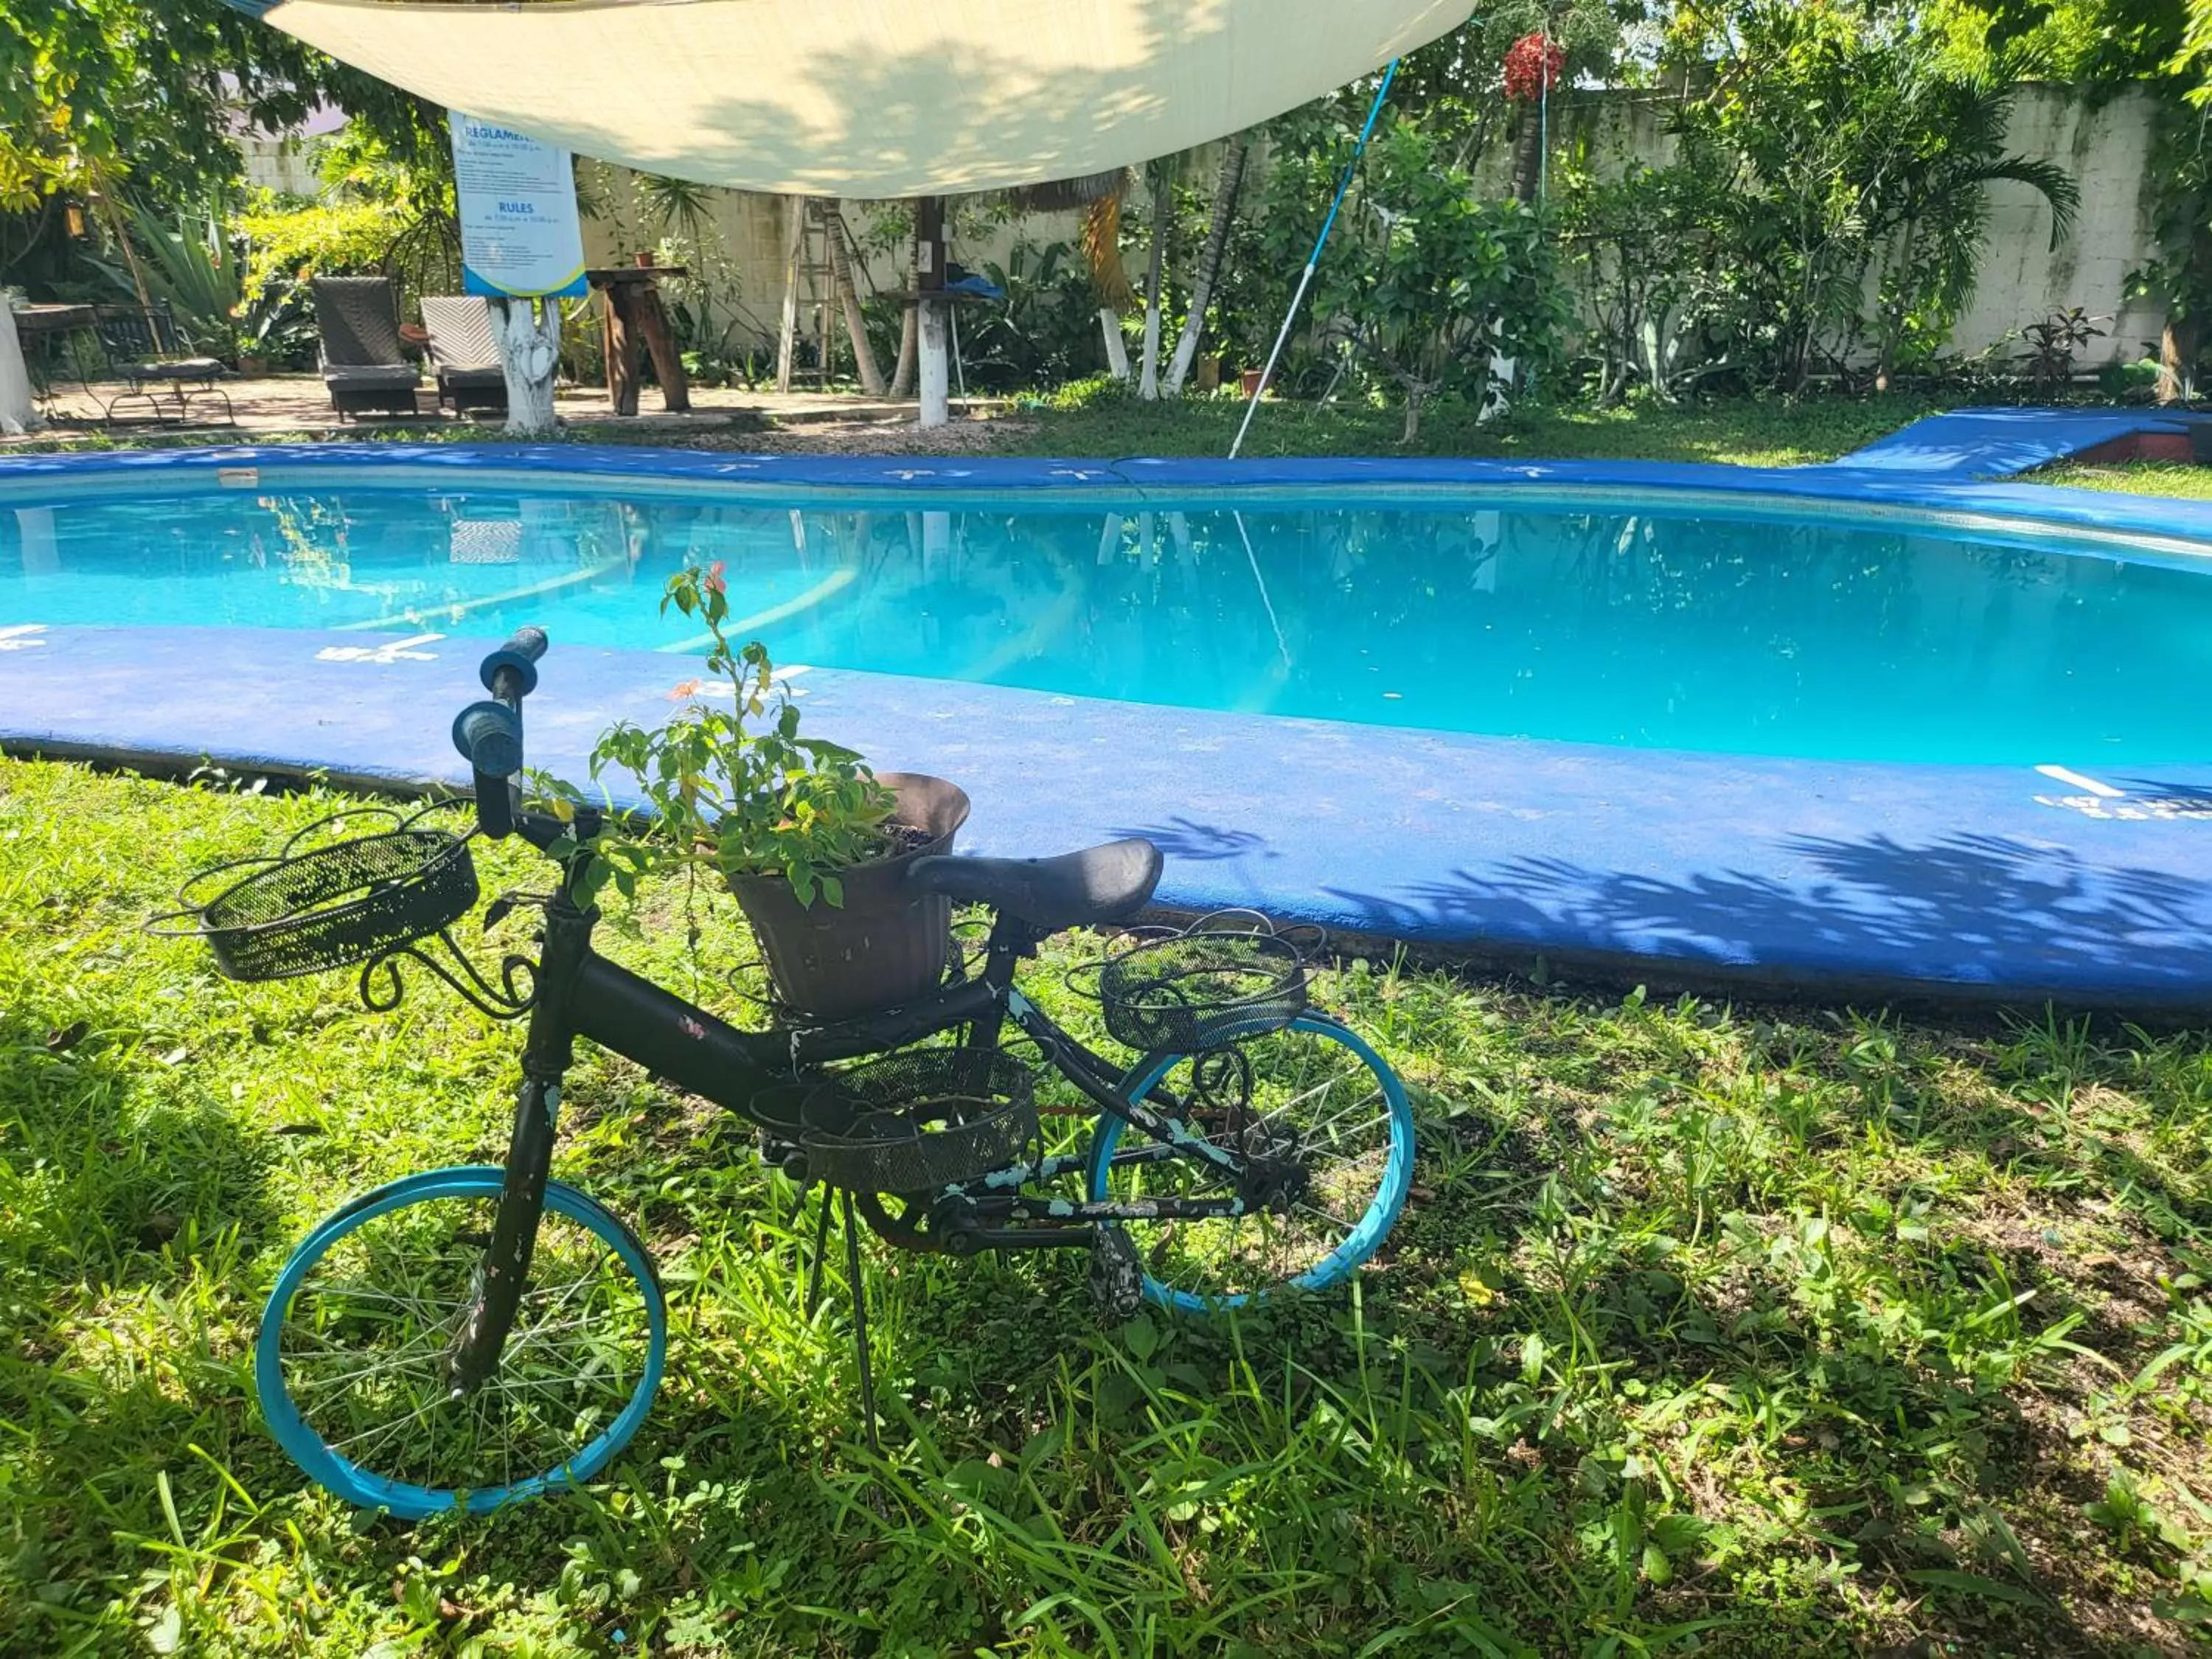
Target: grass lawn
x=2179 y=479
x=1707 y=1330
x=1746 y=431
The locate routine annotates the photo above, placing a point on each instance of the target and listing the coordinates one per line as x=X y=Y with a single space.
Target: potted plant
x=815 y=846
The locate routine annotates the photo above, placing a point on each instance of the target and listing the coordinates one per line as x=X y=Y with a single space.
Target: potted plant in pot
x=814 y=845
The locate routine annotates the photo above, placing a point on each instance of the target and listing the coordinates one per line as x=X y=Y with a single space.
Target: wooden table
x=634 y=323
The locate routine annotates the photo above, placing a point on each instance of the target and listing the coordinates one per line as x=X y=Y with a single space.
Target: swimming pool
x=1736 y=625
x=1930 y=737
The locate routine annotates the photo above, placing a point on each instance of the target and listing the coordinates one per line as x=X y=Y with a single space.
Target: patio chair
x=464 y=353
x=140 y=346
x=364 y=363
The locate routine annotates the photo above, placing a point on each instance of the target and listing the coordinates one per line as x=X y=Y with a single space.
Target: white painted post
x=529 y=352
x=929 y=289
x=17 y=416
x=1117 y=349
x=936 y=366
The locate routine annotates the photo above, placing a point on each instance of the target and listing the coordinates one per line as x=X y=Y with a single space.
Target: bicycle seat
x=1099 y=884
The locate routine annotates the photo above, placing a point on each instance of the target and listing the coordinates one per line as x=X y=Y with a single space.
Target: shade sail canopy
x=871 y=98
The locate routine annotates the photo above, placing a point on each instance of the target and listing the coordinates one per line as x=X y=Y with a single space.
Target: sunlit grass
x=2183 y=480
x=1729 y=1331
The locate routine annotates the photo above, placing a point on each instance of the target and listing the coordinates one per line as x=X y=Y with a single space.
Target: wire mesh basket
x=919 y=1120
x=316 y=905
x=1226 y=977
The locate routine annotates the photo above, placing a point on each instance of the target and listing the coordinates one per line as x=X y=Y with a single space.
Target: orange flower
x=683 y=688
x=715 y=583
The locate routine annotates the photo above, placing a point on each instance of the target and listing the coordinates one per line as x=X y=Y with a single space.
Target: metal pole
x=1312 y=263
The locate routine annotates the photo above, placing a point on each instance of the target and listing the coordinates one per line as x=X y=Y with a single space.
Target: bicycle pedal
x=1117 y=1282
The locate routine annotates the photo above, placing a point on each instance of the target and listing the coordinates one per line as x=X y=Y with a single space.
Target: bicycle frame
x=577 y=993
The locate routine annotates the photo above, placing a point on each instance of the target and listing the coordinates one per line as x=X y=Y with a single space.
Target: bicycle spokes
x=1322 y=1134
x=364 y=1341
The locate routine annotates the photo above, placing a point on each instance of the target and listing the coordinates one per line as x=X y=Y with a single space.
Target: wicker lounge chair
x=464 y=352
x=363 y=363
x=142 y=349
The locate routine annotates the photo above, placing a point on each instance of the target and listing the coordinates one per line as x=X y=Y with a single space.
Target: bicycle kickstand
x=859 y=1321
x=814 y=1261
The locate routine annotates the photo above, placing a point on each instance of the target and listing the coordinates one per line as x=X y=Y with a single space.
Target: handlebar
x=510 y=673
x=489 y=734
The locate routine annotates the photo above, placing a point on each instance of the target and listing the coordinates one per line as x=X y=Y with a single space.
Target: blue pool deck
x=2067 y=882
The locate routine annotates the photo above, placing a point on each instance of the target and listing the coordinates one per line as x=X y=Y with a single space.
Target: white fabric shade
x=871 y=98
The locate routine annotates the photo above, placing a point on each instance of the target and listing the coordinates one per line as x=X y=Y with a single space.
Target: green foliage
x=290 y=239
x=1043 y=333
x=1657 y=305
x=98 y=92
x=1430 y=282
x=1838 y=152
x=190 y=263
x=736 y=786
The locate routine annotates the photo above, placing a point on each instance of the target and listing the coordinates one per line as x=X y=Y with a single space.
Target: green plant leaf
x=1970 y=1584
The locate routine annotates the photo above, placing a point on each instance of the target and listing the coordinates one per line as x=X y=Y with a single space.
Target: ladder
x=810 y=289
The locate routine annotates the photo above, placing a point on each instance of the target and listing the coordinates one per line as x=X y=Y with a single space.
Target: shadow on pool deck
x=1968 y=911
x=1202 y=843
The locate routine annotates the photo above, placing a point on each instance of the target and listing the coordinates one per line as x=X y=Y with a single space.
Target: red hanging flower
x=1532 y=66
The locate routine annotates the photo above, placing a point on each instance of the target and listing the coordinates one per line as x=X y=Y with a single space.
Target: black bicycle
x=470 y=1336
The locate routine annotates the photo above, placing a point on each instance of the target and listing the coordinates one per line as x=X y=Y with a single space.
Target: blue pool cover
x=2059 y=882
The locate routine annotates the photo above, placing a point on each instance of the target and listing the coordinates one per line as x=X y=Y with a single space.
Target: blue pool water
x=1651 y=624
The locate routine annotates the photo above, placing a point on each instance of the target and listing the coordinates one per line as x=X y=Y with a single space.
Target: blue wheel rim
x=348 y=1479
x=1364 y=1239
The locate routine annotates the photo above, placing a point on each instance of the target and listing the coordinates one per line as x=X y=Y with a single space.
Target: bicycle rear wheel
x=350 y=1365
x=1317 y=1100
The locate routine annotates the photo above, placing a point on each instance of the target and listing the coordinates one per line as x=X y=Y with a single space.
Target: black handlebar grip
x=518 y=659
x=489 y=738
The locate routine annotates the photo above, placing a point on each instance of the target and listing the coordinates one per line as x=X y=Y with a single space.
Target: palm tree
x=1226 y=184
x=1927 y=199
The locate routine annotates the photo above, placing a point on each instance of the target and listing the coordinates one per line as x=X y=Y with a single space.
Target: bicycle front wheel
x=1313 y=1100
x=350 y=1366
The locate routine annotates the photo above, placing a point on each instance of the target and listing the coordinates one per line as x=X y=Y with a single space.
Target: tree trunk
x=1413 y=415
x=2179 y=342
x=1117 y=349
x=910 y=340
x=1225 y=186
x=856 y=327
x=1527 y=152
x=2177 y=359
x=529 y=351
x=1148 y=383
x=17 y=416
